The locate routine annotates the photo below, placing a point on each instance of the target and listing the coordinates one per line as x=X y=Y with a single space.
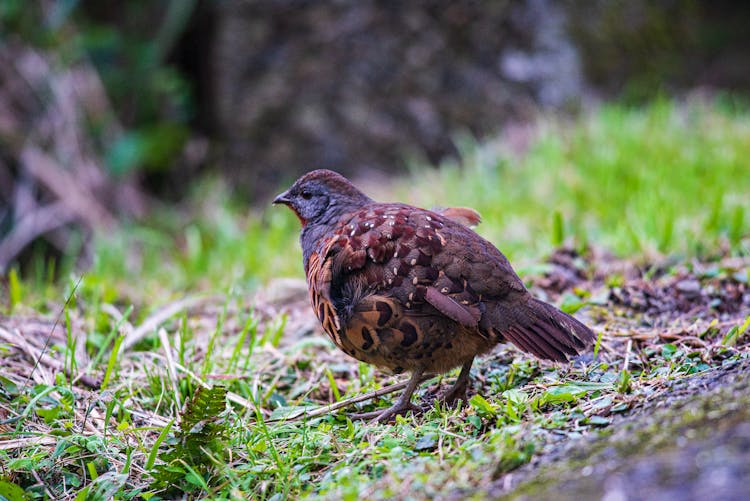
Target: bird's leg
x=458 y=390
x=402 y=406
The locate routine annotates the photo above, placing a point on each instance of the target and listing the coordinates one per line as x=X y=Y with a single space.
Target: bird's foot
x=448 y=396
x=383 y=416
x=458 y=390
x=452 y=396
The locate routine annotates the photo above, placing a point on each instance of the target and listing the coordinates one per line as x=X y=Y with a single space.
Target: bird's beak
x=283 y=198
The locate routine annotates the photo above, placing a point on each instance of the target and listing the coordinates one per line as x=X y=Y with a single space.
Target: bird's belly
x=444 y=346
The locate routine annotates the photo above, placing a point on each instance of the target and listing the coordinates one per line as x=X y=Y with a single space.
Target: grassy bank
x=188 y=301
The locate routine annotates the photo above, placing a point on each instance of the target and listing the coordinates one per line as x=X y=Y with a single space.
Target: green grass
x=662 y=180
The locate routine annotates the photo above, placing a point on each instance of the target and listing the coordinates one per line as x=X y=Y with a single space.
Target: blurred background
x=606 y=144
x=120 y=111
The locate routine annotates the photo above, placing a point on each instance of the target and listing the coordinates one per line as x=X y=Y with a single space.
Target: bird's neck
x=310 y=240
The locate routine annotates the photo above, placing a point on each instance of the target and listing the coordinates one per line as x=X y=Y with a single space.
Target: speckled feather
x=410 y=289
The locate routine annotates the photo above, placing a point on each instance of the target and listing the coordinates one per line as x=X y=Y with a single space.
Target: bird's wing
x=319 y=286
x=416 y=257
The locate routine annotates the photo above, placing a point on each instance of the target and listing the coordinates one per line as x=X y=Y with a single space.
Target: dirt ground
x=692 y=440
x=692 y=443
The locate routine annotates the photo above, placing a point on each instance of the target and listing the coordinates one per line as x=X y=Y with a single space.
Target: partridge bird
x=410 y=289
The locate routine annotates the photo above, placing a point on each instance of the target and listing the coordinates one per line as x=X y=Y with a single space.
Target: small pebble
x=689 y=287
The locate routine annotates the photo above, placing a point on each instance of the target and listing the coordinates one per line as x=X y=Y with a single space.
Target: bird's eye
x=306 y=195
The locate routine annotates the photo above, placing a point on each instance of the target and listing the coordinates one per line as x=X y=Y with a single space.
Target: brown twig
x=328 y=409
x=30 y=227
x=21 y=443
x=76 y=197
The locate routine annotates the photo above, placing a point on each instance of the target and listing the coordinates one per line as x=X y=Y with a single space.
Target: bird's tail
x=543 y=330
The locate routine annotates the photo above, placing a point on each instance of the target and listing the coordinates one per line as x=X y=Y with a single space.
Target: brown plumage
x=410 y=289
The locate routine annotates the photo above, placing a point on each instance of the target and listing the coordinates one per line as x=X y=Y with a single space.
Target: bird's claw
x=383 y=416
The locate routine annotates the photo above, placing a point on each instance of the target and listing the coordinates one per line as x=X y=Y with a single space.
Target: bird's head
x=320 y=195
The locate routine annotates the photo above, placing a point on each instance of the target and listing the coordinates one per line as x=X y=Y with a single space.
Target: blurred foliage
x=129 y=44
x=667 y=178
x=640 y=48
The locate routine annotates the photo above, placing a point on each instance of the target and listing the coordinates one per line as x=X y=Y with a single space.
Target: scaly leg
x=458 y=390
x=402 y=406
